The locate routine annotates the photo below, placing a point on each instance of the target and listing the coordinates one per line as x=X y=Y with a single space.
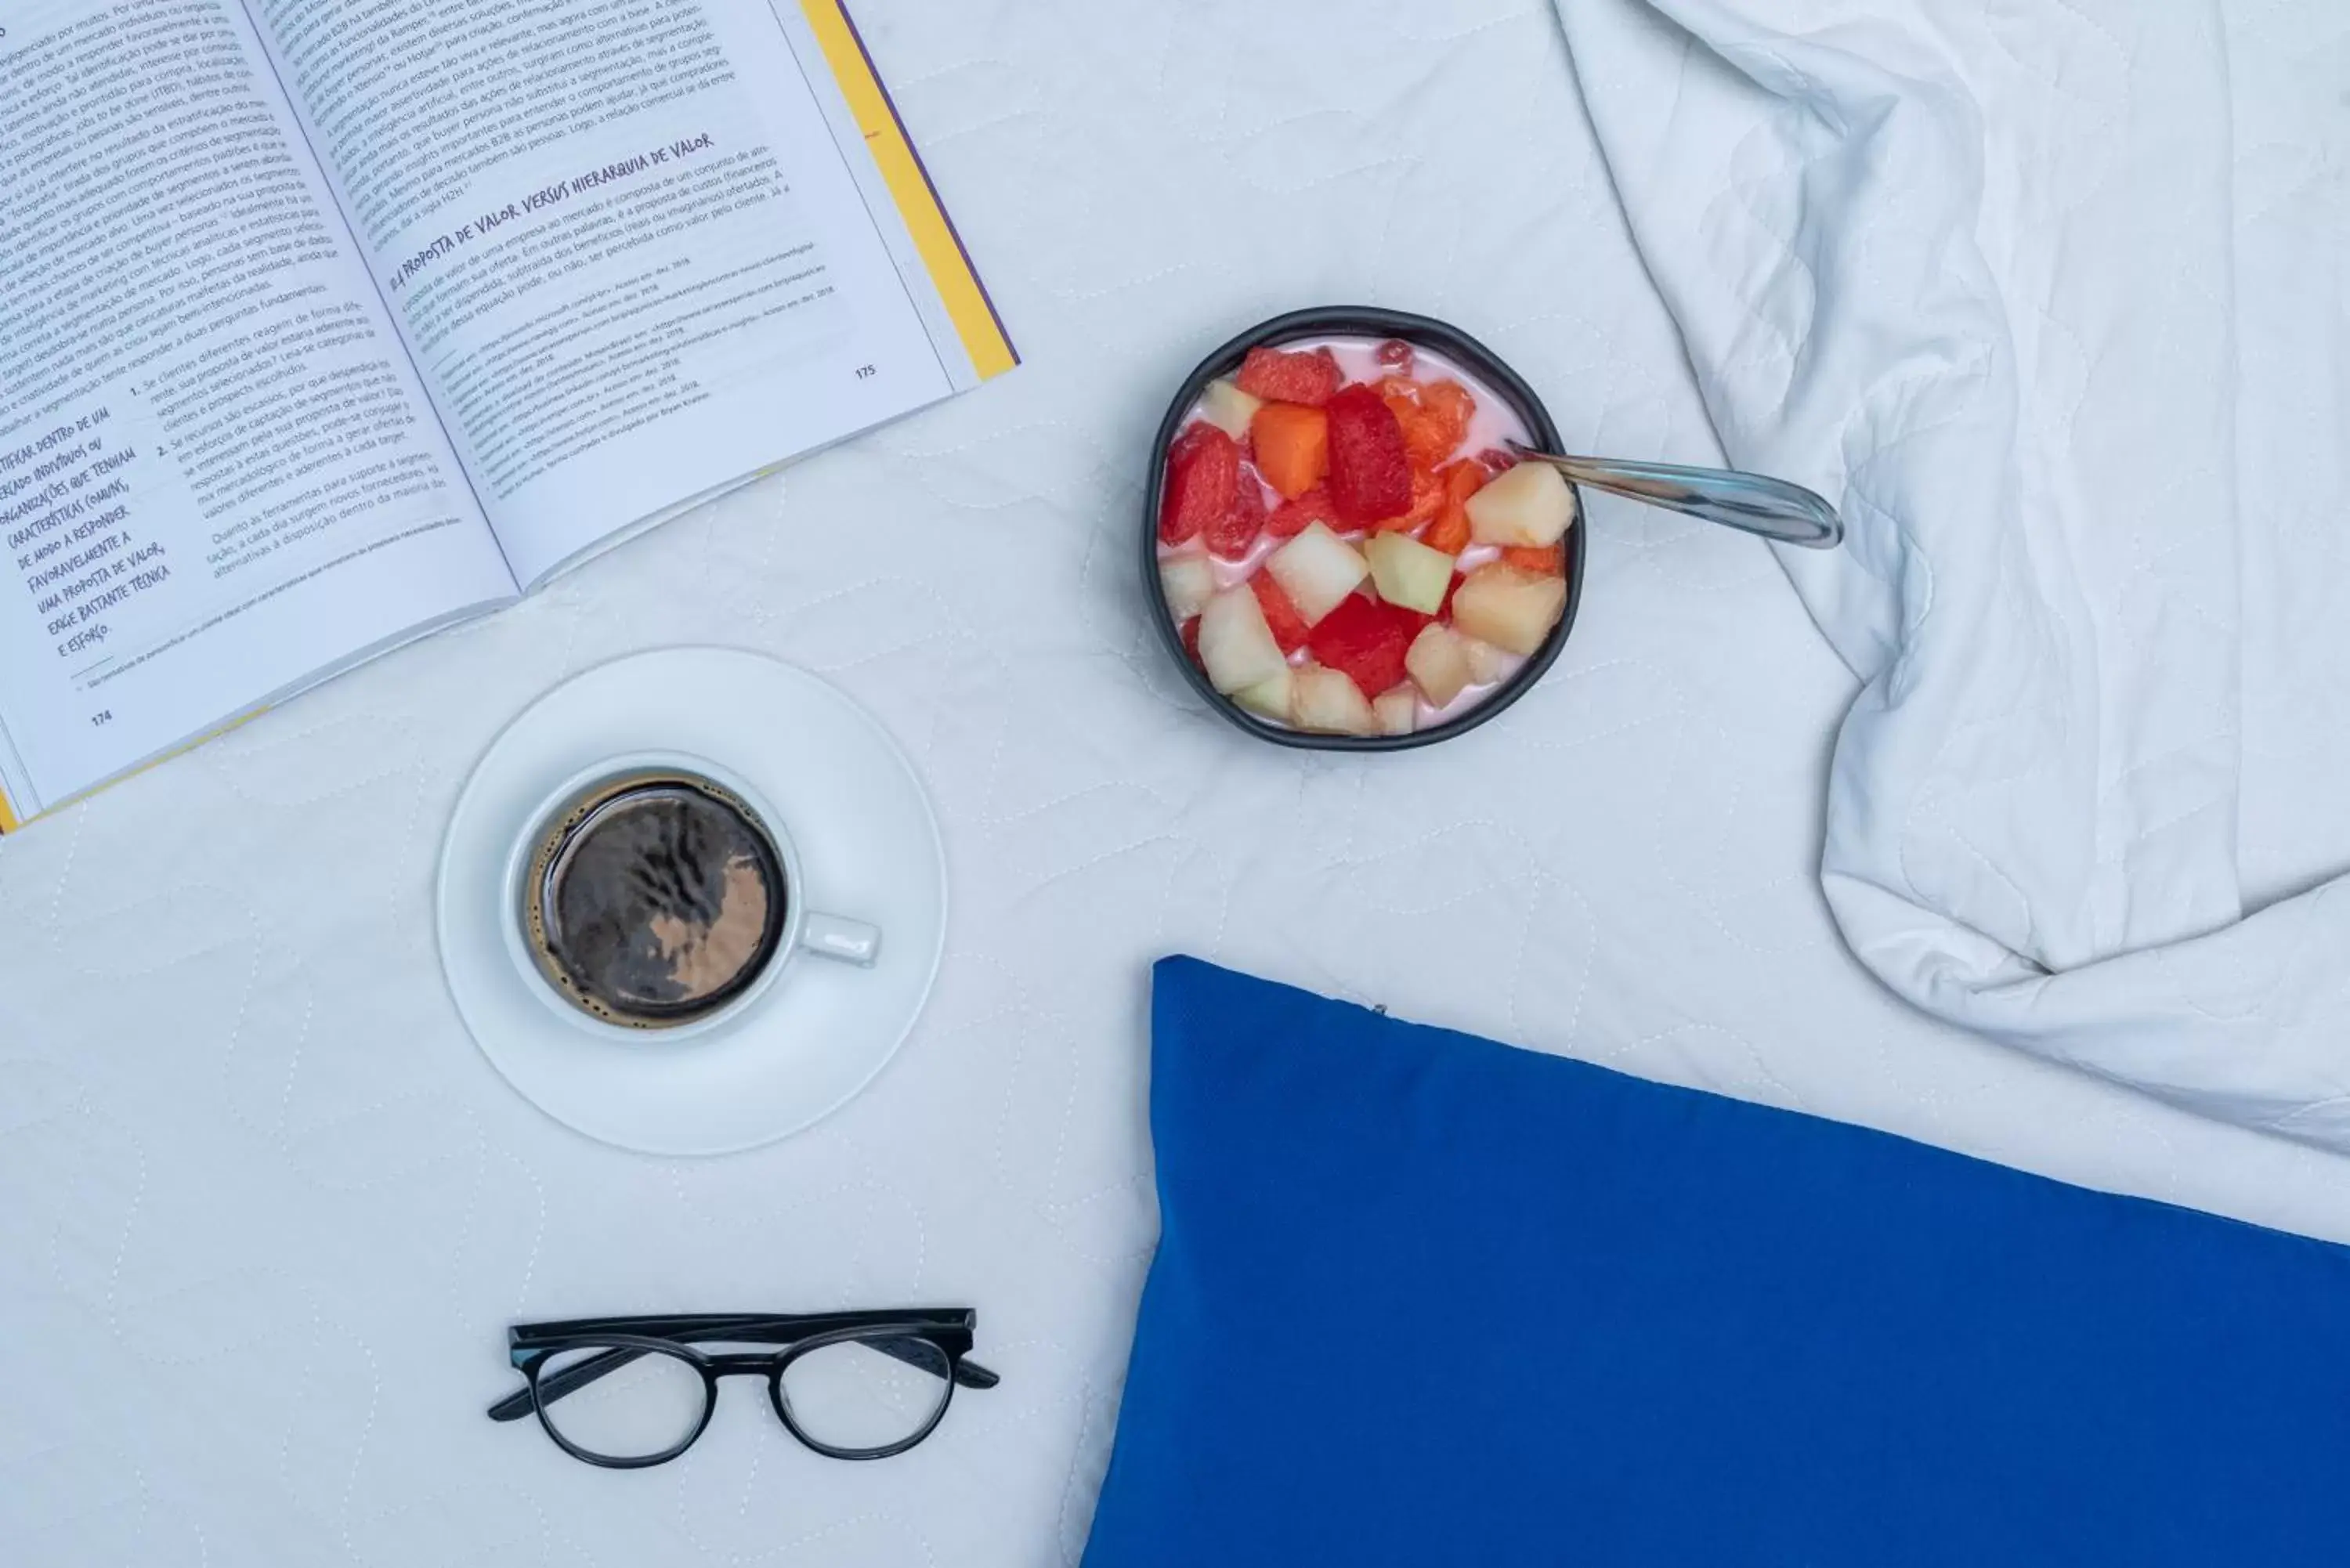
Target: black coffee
x=655 y=899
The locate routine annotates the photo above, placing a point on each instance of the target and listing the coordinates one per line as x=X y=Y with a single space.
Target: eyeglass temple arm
x=514 y=1407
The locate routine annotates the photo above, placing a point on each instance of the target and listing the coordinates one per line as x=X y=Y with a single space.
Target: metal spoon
x=1771 y=507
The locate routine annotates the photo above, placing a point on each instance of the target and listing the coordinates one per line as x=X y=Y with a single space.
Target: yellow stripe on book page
x=9 y=824
x=967 y=304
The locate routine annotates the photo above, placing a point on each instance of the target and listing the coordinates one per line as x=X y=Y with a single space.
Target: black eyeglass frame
x=948 y=1330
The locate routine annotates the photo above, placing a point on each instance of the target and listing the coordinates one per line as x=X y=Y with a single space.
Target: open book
x=326 y=323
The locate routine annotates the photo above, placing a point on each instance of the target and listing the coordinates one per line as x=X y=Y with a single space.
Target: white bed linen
x=265 y=1211
x=2052 y=294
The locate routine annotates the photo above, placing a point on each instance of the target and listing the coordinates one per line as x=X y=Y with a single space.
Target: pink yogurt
x=1494 y=424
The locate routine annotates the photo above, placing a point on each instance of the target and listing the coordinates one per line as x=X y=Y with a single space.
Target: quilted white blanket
x=265 y=1211
x=2054 y=295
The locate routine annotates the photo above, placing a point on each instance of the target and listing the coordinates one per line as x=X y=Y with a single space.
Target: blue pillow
x=1424 y=1299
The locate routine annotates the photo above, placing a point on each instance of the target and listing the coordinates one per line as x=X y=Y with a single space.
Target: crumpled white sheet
x=2055 y=302
x=265 y=1211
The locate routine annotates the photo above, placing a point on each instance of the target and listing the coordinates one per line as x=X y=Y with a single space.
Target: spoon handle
x=1771 y=507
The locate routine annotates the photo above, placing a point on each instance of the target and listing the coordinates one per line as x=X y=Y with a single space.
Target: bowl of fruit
x=1341 y=545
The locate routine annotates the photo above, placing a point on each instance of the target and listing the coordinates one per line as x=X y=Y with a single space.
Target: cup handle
x=850 y=942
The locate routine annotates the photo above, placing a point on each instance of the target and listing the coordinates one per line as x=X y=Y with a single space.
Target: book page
x=624 y=249
x=218 y=474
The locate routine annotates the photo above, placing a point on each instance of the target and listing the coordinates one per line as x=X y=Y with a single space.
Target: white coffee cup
x=803 y=929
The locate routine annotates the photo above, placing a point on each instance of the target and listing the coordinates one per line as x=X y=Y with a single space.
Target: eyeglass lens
x=644 y=1407
x=860 y=1397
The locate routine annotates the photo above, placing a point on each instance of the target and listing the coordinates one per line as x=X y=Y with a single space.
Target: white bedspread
x=265 y=1212
x=2051 y=294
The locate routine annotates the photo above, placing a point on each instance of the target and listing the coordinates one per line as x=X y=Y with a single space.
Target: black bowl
x=1368 y=322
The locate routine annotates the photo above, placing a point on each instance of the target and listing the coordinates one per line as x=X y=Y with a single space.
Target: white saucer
x=870 y=848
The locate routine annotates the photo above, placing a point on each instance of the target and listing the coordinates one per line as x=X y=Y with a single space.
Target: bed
x=265 y=1211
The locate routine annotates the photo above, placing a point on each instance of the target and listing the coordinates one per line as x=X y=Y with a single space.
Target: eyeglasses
x=628 y=1392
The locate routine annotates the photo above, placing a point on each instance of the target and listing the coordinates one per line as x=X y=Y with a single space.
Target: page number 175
x=867 y=372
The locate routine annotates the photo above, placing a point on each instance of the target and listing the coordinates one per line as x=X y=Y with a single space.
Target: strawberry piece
x=1426 y=501
x=1191 y=642
x=1230 y=534
x=1290 y=517
x=1497 y=461
x=1394 y=356
x=1289 y=628
x=1281 y=378
x=1371 y=474
x=1549 y=560
x=1417 y=431
x=1368 y=639
x=1451 y=531
x=1203 y=468
x=1444 y=611
x=1292 y=446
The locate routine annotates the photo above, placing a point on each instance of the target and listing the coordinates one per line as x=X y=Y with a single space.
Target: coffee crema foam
x=654 y=899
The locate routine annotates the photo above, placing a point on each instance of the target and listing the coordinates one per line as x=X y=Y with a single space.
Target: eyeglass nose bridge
x=754 y=1364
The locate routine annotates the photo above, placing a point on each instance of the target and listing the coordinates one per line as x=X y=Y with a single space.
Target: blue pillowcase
x=1424 y=1299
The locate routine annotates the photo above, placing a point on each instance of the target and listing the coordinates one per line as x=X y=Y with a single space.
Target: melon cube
x=1269 y=698
x=1439 y=662
x=1511 y=608
x=1409 y=573
x=1230 y=410
x=1317 y=571
x=1397 y=712
x=1530 y=505
x=1487 y=664
x=1328 y=701
x=1189 y=583
x=1235 y=644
